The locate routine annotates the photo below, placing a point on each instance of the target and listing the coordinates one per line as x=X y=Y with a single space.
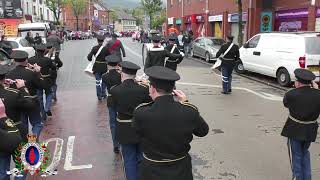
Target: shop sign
x=293 y=13
x=199 y=19
x=266 y=22
x=318 y=12
x=178 y=21
x=215 y=18
x=9 y=27
x=235 y=17
x=170 y=21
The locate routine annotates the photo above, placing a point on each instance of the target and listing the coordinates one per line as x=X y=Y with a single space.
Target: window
x=24 y=43
x=312 y=45
x=34 y=10
x=13 y=44
x=48 y=14
x=253 y=43
x=27 y=8
x=40 y=1
x=171 y=2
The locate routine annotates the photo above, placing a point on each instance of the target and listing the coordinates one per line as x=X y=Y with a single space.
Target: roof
x=300 y=33
x=98 y=7
x=125 y=16
x=33 y=25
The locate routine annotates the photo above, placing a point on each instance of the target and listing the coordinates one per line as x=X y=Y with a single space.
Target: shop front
x=291 y=20
x=200 y=28
x=317 y=28
x=233 y=19
x=216 y=25
x=188 y=22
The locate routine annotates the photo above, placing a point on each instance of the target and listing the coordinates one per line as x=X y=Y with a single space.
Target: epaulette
x=113 y=86
x=143 y=84
x=156 y=49
x=11 y=90
x=190 y=105
x=144 y=104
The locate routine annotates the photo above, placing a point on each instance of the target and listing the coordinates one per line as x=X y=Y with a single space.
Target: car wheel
x=283 y=77
x=192 y=53
x=207 y=57
x=239 y=68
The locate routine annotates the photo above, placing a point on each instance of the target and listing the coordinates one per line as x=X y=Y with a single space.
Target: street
x=244 y=142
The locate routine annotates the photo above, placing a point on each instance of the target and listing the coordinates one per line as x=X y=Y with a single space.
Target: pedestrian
x=156 y=56
x=54 y=74
x=31 y=75
x=37 y=39
x=173 y=48
x=99 y=52
x=56 y=42
x=10 y=139
x=5 y=45
x=127 y=96
x=47 y=67
x=187 y=39
x=228 y=54
x=115 y=46
x=165 y=128
x=29 y=38
x=112 y=78
x=180 y=37
x=301 y=126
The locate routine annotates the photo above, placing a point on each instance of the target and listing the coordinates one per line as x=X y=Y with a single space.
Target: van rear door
x=312 y=60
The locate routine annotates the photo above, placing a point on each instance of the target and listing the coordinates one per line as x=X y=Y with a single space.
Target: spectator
x=38 y=39
x=187 y=39
x=29 y=38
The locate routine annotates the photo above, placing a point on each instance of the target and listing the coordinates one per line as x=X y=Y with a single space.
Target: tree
x=159 y=20
x=56 y=6
x=240 y=23
x=151 y=7
x=138 y=14
x=78 y=8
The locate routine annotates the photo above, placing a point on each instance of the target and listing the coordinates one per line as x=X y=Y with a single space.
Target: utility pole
x=89 y=15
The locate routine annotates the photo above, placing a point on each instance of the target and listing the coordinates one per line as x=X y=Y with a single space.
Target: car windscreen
x=312 y=45
x=217 y=42
x=13 y=44
x=23 y=33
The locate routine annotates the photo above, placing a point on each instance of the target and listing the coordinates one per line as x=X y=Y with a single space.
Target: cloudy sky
x=125 y=3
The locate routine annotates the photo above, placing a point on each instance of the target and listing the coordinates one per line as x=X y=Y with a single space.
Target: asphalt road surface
x=244 y=141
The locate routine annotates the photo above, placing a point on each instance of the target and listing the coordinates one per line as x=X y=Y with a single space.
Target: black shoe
x=116 y=150
x=49 y=113
x=222 y=92
x=55 y=99
x=230 y=90
x=99 y=98
x=104 y=97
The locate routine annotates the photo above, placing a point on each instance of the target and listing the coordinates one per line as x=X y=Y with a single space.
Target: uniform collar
x=165 y=98
x=128 y=81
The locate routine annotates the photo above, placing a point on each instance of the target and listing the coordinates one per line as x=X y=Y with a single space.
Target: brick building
x=94 y=17
x=220 y=18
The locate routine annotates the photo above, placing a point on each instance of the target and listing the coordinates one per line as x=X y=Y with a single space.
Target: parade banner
x=9 y=27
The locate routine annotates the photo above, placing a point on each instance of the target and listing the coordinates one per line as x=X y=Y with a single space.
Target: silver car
x=206 y=47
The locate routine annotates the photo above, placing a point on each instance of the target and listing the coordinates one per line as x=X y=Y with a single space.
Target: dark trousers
x=45 y=99
x=112 y=122
x=300 y=160
x=131 y=156
x=35 y=119
x=226 y=75
x=5 y=160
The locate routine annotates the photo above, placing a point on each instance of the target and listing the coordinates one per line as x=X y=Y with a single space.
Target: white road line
x=57 y=153
x=262 y=95
x=69 y=156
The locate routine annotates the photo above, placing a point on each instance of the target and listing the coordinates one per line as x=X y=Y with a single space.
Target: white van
x=41 y=28
x=279 y=54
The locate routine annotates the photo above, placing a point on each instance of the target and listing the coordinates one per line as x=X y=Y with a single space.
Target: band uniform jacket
x=32 y=79
x=111 y=78
x=100 y=65
x=127 y=96
x=165 y=129
x=231 y=57
x=156 y=57
x=47 y=71
x=15 y=102
x=172 y=63
x=304 y=108
x=118 y=50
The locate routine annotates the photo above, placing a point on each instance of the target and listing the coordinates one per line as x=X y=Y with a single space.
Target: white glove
x=182 y=54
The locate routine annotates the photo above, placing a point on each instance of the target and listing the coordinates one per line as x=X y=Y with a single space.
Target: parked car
x=20 y=43
x=206 y=47
x=279 y=54
x=88 y=35
x=76 y=35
